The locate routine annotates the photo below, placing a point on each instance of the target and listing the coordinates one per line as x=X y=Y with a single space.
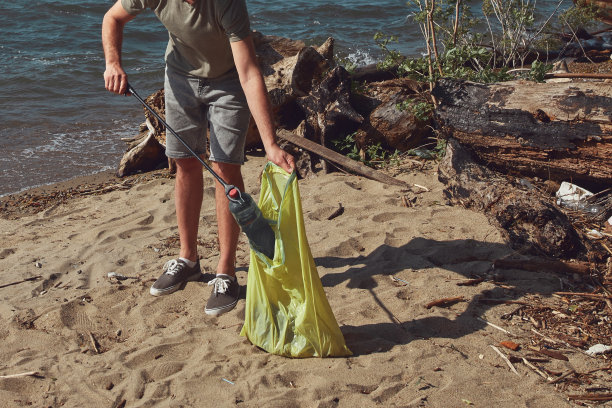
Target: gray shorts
x=194 y=105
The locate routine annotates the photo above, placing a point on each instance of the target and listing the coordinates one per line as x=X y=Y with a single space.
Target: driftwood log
x=509 y=143
x=527 y=218
x=145 y=152
x=553 y=131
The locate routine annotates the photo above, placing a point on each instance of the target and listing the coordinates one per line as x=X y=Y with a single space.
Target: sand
x=167 y=352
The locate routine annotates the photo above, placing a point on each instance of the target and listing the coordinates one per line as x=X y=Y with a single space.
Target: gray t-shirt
x=200 y=34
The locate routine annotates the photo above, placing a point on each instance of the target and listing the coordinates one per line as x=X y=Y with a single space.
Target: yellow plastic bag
x=287 y=312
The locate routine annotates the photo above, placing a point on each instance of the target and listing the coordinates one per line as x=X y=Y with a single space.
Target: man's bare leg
x=228 y=228
x=188 y=195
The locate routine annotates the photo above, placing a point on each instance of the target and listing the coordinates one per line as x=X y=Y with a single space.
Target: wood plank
x=339 y=159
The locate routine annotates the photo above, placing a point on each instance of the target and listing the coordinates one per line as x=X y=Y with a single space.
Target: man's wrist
x=269 y=142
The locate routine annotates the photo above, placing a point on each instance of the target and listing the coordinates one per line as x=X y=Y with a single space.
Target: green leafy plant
x=456 y=49
x=437 y=152
x=538 y=71
x=581 y=14
x=347 y=146
x=346 y=63
x=373 y=155
x=421 y=110
x=391 y=58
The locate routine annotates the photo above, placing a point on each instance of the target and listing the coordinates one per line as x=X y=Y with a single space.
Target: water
x=58 y=121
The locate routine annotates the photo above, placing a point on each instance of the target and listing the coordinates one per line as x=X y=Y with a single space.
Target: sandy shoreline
x=167 y=352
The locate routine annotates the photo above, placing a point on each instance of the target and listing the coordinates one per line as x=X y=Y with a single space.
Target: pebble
x=38 y=265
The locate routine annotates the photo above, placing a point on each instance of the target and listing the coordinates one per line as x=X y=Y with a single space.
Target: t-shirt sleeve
x=136 y=6
x=235 y=20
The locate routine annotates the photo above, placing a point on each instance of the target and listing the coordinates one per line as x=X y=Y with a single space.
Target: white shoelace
x=172 y=267
x=220 y=285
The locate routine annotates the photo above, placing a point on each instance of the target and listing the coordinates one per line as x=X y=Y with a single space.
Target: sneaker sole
x=172 y=289
x=221 y=310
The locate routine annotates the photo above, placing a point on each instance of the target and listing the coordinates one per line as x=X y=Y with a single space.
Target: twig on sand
x=592 y=397
x=471 y=282
x=550 y=353
x=600 y=369
x=422 y=187
x=537 y=370
x=563 y=377
x=505 y=359
x=33 y=278
x=584 y=295
x=502 y=301
x=495 y=326
x=548 y=339
x=27 y=374
x=336 y=213
x=445 y=302
x=94 y=343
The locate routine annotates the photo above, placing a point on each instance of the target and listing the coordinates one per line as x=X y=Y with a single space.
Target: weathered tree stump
x=386 y=122
x=328 y=110
x=145 y=153
x=289 y=77
x=554 y=131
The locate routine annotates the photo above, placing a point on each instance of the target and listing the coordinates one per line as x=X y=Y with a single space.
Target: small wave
x=361 y=58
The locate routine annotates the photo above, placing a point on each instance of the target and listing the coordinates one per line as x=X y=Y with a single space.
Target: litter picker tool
x=243 y=208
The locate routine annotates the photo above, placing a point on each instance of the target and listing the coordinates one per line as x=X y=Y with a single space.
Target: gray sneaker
x=176 y=273
x=224 y=297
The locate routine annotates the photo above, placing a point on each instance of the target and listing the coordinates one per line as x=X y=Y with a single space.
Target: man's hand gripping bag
x=287 y=312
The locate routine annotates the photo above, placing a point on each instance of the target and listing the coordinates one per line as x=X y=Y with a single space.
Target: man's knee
x=227 y=170
x=188 y=164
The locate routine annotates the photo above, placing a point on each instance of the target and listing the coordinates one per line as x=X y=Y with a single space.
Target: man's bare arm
x=254 y=87
x=115 y=78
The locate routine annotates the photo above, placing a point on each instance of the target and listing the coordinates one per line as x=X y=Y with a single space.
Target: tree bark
x=554 y=131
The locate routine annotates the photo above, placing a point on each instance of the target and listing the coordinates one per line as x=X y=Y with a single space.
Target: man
x=212 y=81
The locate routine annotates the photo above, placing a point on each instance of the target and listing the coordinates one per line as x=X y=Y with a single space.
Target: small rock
x=38 y=265
x=118 y=333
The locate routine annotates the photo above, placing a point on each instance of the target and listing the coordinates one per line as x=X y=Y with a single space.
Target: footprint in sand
x=321 y=213
x=6 y=252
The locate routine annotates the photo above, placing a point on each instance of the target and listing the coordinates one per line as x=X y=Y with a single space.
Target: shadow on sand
x=469 y=258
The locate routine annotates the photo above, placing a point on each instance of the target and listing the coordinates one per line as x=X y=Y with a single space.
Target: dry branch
x=585 y=295
x=505 y=359
x=339 y=159
x=27 y=374
x=445 y=302
x=33 y=278
x=471 y=282
x=591 y=397
x=537 y=265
